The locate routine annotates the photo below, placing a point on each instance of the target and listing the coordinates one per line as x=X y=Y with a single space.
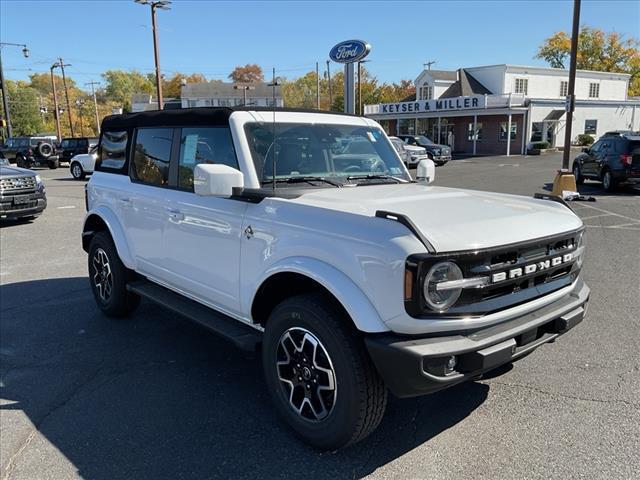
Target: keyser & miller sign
x=424 y=106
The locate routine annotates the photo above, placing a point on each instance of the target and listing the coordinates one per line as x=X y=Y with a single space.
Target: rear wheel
x=76 y=171
x=108 y=277
x=319 y=374
x=53 y=164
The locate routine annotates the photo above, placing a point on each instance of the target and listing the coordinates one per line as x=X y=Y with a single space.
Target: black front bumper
x=413 y=366
x=35 y=205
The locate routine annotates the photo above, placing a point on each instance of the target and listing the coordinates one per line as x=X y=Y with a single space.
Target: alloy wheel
x=77 y=171
x=102 y=276
x=306 y=374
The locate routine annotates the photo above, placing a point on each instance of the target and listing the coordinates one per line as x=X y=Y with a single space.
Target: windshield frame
x=330 y=140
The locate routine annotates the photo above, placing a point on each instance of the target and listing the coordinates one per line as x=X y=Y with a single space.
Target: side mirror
x=586 y=150
x=214 y=180
x=426 y=172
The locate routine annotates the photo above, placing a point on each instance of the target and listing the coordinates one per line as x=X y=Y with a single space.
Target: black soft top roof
x=209 y=116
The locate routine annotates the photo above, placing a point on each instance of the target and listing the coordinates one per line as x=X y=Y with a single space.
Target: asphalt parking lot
x=155 y=397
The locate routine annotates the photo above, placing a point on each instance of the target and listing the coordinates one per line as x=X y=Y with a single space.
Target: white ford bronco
x=302 y=235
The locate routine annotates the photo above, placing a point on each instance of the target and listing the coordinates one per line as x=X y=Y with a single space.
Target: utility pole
x=317 y=86
x=5 y=97
x=56 y=109
x=329 y=80
x=95 y=104
x=155 y=5
x=66 y=93
x=80 y=105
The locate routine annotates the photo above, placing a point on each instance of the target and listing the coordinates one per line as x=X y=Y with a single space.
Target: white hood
x=453 y=219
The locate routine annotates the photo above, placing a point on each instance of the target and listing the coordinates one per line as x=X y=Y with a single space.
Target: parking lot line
x=611 y=213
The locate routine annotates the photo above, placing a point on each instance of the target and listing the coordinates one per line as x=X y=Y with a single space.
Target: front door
x=590 y=162
x=204 y=233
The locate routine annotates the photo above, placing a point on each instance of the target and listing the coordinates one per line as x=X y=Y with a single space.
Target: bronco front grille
x=517 y=274
x=17 y=184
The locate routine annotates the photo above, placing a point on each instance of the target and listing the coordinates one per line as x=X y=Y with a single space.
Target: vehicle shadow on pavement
x=154 y=397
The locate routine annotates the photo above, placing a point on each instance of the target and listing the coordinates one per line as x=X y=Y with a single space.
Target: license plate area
x=21 y=199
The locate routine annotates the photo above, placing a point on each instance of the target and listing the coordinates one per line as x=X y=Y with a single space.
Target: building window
x=151 y=156
x=536 y=131
x=207 y=102
x=224 y=102
x=594 y=90
x=590 y=126
x=522 y=85
x=564 y=88
x=477 y=134
x=503 y=131
x=191 y=103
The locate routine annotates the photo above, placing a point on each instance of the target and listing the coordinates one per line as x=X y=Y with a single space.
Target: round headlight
x=441 y=299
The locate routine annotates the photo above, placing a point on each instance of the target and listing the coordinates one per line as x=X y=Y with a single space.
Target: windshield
x=422 y=140
x=341 y=153
x=3 y=160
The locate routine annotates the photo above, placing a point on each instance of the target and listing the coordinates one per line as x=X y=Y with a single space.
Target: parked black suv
x=27 y=152
x=440 y=154
x=613 y=159
x=69 y=147
x=21 y=191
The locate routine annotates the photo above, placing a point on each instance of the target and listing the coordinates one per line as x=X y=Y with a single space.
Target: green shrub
x=540 y=145
x=584 y=139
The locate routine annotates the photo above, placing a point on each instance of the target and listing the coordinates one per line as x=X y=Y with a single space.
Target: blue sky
x=212 y=37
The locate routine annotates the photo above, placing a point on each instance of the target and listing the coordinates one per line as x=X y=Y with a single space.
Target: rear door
x=144 y=208
x=204 y=234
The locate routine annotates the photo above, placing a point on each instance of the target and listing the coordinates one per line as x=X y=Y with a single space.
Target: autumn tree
x=121 y=85
x=597 y=50
x=250 y=73
x=23 y=105
x=172 y=88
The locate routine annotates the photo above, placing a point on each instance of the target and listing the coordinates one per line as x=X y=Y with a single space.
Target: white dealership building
x=472 y=109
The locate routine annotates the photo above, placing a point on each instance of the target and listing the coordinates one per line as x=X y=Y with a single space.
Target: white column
x=523 y=131
x=415 y=126
x=509 y=135
x=475 y=136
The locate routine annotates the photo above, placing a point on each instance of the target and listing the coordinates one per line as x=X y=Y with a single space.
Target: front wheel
x=108 y=277
x=607 y=181
x=577 y=173
x=53 y=164
x=76 y=171
x=319 y=374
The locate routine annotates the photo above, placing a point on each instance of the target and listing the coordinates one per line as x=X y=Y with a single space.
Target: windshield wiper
x=376 y=177
x=307 y=179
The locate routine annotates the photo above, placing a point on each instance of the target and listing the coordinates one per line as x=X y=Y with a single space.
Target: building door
x=549 y=133
x=444 y=134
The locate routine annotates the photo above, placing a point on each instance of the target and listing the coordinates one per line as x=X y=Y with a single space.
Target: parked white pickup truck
x=302 y=235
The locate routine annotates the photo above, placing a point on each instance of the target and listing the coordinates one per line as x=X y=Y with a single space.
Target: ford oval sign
x=349 y=51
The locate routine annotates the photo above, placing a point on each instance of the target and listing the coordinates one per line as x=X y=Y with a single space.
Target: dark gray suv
x=22 y=191
x=613 y=159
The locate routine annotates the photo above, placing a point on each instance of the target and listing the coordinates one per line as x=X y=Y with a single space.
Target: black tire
x=53 y=164
x=109 y=285
x=77 y=171
x=355 y=407
x=20 y=161
x=577 y=172
x=608 y=183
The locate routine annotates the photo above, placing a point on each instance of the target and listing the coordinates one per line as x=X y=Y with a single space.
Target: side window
x=151 y=155
x=82 y=143
x=112 y=152
x=596 y=147
x=204 y=145
x=64 y=144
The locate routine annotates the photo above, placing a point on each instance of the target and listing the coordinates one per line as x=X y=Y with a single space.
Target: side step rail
x=243 y=336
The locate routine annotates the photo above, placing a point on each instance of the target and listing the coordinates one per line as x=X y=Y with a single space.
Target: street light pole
x=56 y=110
x=244 y=89
x=5 y=98
x=572 y=84
x=66 y=93
x=95 y=104
x=162 y=5
x=329 y=80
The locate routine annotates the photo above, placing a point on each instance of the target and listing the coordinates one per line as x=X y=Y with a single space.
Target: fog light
x=451 y=363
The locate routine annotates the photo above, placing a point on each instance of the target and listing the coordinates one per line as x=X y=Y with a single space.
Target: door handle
x=125 y=201
x=175 y=214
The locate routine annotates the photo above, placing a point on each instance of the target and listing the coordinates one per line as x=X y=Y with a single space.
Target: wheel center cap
x=306 y=373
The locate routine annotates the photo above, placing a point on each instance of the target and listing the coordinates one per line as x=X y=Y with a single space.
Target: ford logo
x=349 y=51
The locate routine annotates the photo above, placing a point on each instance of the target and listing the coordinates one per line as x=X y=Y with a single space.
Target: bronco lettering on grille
x=531 y=268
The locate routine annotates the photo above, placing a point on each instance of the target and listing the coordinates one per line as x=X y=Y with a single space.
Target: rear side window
x=112 y=154
x=151 y=156
x=204 y=145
